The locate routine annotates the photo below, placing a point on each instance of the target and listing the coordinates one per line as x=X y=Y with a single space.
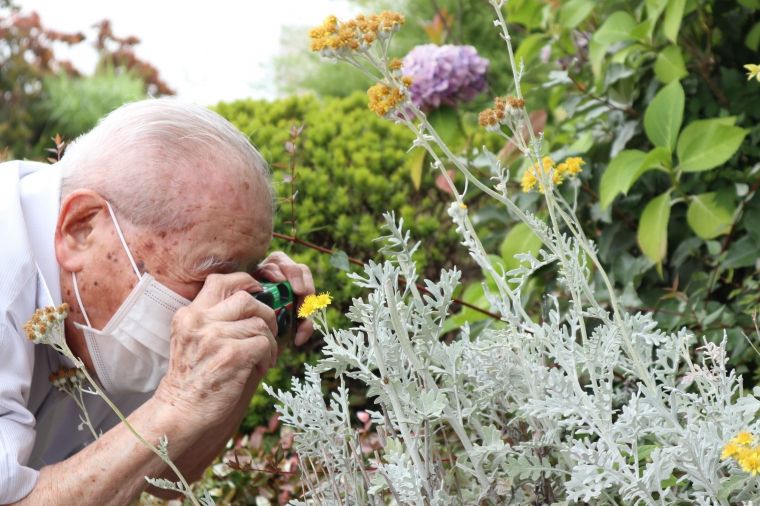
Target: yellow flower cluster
x=383 y=98
x=44 y=320
x=313 y=303
x=753 y=71
x=569 y=168
x=741 y=449
x=492 y=118
x=354 y=34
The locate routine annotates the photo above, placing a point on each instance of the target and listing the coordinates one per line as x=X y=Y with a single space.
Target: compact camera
x=280 y=297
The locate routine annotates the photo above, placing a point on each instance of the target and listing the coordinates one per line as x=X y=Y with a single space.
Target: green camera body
x=280 y=297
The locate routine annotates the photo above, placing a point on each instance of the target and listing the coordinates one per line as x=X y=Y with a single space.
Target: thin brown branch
x=583 y=89
x=355 y=261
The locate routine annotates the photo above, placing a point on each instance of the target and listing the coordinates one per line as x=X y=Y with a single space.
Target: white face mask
x=131 y=353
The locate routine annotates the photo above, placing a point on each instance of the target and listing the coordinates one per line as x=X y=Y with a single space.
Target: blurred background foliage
x=679 y=237
x=42 y=95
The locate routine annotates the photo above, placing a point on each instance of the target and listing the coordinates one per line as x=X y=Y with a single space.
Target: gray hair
x=172 y=142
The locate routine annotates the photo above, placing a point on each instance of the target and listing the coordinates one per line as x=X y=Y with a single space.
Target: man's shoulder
x=18 y=272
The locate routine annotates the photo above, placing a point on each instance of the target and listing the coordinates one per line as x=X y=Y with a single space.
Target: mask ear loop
x=79 y=299
x=123 y=241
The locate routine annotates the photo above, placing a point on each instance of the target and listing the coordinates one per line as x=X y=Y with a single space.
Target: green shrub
x=351 y=167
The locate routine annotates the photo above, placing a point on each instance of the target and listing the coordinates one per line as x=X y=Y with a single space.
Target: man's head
x=191 y=193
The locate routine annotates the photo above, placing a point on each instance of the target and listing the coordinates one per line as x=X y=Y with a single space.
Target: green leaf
x=643 y=31
x=655 y=8
x=417 y=163
x=574 y=12
x=446 y=121
x=730 y=485
x=619 y=176
x=529 y=47
x=706 y=144
x=616 y=28
x=596 y=53
x=673 y=16
x=669 y=65
x=742 y=253
x=521 y=239
x=711 y=214
x=752 y=40
x=652 y=234
x=626 y=168
x=663 y=117
x=751 y=4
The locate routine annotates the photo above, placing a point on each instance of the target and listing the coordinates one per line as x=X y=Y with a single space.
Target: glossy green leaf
x=710 y=214
x=663 y=117
x=616 y=28
x=572 y=13
x=619 y=175
x=706 y=144
x=655 y=8
x=669 y=65
x=626 y=168
x=751 y=4
x=529 y=47
x=521 y=239
x=752 y=40
x=673 y=16
x=652 y=234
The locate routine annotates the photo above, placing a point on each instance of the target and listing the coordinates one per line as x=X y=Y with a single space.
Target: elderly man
x=147 y=228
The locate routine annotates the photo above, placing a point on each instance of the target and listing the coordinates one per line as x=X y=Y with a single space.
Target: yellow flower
x=743 y=438
x=731 y=450
x=574 y=165
x=750 y=460
x=752 y=71
x=384 y=99
x=313 y=303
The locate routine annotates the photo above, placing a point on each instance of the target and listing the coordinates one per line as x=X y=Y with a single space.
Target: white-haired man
x=147 y=229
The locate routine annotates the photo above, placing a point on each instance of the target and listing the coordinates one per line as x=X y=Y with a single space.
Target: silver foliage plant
x=586 y=403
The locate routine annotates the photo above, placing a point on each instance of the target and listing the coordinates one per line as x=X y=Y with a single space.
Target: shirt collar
x=40 y=193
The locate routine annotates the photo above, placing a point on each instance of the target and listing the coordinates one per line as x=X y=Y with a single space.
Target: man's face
x=226 y=233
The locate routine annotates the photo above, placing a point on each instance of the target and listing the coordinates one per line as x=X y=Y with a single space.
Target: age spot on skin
x=215 y=387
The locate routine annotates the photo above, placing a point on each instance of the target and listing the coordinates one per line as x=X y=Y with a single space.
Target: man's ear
x=77 y=220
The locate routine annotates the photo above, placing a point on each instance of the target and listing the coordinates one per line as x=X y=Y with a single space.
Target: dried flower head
x=44 y=325
x=66 y=379
x=334 y=37
x=384 y=99
x=313 y=303
x=504 y=109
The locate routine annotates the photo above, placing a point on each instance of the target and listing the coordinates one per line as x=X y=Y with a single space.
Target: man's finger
x=218 y=287
x=308 y=279
x=295 y=276
x=241 y=306
x=304 y=332
x=271 y=272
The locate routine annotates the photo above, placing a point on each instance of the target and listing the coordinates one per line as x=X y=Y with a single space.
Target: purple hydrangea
x=444 y=75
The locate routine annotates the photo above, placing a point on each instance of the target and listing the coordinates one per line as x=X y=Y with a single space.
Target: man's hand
x=279 y=267
x=221 y=346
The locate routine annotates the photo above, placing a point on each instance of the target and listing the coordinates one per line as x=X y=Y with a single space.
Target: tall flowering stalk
x=587 y=403
x=45 y=327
